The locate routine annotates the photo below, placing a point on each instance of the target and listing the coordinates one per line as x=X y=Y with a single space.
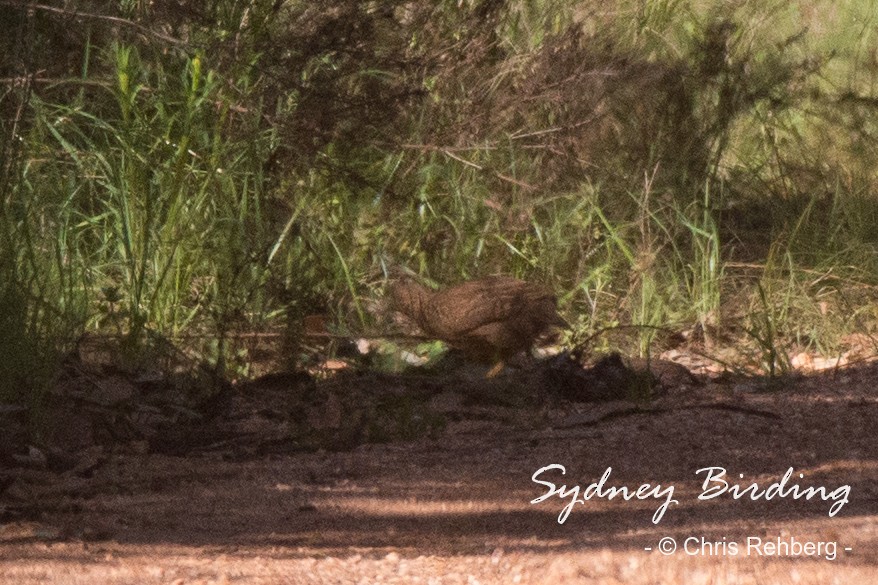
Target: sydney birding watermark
x=714 y=485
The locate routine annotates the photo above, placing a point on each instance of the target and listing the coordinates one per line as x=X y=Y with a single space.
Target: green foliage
x=27 y=344
x=764 y=328
x=246 y=163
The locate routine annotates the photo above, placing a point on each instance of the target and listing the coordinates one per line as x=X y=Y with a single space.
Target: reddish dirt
x=455 y=508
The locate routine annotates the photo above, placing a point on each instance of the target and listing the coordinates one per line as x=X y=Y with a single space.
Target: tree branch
x=87 y=15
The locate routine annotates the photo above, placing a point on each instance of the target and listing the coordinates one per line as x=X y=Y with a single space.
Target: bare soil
x=454 y=505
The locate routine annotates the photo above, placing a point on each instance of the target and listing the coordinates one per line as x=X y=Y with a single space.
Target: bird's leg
x=493 y=372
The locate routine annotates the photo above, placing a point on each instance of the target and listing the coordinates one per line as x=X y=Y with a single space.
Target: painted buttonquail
x=489 y=319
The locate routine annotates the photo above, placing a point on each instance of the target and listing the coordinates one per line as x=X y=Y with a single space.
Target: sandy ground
x=456 y=508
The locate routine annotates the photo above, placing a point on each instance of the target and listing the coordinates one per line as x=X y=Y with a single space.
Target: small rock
x=34 y=458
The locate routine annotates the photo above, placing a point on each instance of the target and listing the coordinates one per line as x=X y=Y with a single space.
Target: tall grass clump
x=158 y=207
x=41 y=307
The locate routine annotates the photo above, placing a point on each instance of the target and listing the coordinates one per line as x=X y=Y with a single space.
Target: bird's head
x=405 y=299
x=409 y=297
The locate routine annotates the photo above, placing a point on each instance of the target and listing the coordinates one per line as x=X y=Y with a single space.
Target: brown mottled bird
x=489 y=319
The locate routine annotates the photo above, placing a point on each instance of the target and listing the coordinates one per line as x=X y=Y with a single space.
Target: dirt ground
x=454 y=506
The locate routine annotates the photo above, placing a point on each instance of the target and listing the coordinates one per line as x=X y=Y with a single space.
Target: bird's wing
x=458 y=311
